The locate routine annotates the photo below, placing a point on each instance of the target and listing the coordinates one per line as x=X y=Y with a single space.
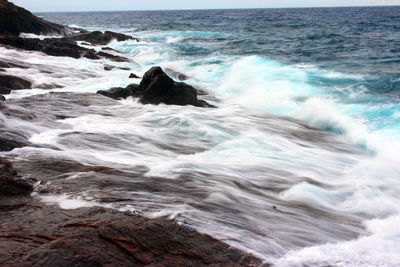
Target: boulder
x=16 y=20
x=13 y=83
x=10 y=183
x=159 y=88
x=155 y=88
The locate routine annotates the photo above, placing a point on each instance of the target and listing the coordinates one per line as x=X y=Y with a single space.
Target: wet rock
x=5 y=91
x=99 y=38
x=38 y=235
x=113 y=57
x=15 y=20
x=159 y=88
x=10 y=183
x=56 y=47
x=110 y=49
x=133 y=76
x=14 y=83
x=155 y=88
x=2 y=98
x=9 y=143
x=119 y=92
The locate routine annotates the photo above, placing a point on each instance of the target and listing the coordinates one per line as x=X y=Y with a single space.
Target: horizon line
x=189 y=9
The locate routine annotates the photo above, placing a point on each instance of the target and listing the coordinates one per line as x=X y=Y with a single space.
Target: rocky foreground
x=35 y=234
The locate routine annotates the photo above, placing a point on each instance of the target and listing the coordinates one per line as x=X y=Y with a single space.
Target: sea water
x=300 y=162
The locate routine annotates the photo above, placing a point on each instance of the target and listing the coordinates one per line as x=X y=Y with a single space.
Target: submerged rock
x=13 y=83
x=16 y=20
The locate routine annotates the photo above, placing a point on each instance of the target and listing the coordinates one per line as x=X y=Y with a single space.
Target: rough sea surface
x=300 y=162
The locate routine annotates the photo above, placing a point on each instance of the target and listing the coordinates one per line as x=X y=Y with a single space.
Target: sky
x=119 y=5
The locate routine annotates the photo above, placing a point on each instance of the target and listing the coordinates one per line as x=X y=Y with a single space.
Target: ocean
x=299 y=163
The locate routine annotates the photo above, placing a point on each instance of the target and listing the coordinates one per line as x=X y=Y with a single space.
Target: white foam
x=67 y=202
x=381 y=248
x=35 y=36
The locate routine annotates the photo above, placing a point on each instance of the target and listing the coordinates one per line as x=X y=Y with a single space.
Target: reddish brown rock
x=37 y=235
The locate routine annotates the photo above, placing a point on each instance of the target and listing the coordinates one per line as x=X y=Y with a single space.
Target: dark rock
x=40 y=235
x=133 y=76
x=4 y=90
x=2 y=98
x=159 y=88
x=56 y=47
x=110 y=49
x=15 y=20
x=108 y=67
x=113 y=57
x=99 y=38
x=10 y=183
x=14 y=83
x=155 y=88
x=9 y=143
x=118 y=92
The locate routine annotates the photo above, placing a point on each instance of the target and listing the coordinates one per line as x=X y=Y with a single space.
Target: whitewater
x=299 y=163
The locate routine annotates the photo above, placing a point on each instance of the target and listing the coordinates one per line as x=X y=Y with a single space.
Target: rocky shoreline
x=35 y=234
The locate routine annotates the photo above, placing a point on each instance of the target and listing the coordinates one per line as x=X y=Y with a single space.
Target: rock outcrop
x=99 y=38
x=56 y=47
x=46 y=236
x=35 y=234
x=16 y=20
x=8 y=82
x=157 y=87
